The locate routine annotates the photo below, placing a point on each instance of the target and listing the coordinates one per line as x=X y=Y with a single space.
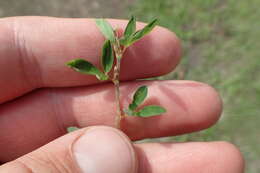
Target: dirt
x=65 y=8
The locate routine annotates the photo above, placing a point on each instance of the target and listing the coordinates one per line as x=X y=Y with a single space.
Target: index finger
x=35 y=49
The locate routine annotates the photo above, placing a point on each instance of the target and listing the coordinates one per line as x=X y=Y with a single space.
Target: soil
x=65 y=8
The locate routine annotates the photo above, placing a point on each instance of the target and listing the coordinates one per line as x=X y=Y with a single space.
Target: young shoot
x=112 y=52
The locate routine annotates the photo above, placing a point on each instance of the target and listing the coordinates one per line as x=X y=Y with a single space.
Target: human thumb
x=96 y=149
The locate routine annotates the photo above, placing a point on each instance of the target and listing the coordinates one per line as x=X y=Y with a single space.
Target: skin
x=41 y=97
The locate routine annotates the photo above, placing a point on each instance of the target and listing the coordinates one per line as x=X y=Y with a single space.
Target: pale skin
x=38 y=102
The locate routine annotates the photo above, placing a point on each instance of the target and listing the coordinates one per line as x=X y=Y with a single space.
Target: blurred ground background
x=221 y=47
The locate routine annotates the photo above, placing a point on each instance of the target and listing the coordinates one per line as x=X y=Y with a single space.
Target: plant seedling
x=113 y=50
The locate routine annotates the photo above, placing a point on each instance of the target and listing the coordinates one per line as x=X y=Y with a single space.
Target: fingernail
x=104 y=149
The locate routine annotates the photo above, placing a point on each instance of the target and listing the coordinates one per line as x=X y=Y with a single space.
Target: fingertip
x=199 y=156
x=229 y=155
x=170 y=46
x=205 y=103
x=211 y=107
x=191 y=106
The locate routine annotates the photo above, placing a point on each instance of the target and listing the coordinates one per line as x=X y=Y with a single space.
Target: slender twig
x=117 y=93
x=119 y=51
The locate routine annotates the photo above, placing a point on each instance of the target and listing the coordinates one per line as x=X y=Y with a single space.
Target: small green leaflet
x=72 y=129
x=106 y=29
x=85 y=67
x=129 y=31
x=107 y=58
x=139 y=97
x=138 y=34
x=130 y=28
x=151 y=110
x=146 y=30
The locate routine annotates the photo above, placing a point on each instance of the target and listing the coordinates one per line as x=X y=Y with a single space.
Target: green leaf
x=146 y=30
x=130 y=28
x=139 y=96
x=107 y=58
x=85 y=67
x=132 y=106
x=124 y=41
x=151 y=110
x=139 y=34
x=72 y=129
x=106 y=29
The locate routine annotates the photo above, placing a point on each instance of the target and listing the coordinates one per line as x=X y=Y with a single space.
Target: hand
x=38 y=103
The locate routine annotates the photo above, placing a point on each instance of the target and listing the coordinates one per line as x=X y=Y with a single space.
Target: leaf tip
x=72 y=129
x=70 y=63
x=73 y=63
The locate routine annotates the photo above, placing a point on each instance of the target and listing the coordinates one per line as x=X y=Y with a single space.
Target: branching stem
x=117 y=93
x=119 y=51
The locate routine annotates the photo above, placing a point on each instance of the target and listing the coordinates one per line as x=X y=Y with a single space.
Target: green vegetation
x=114 y=48
x=221 y=47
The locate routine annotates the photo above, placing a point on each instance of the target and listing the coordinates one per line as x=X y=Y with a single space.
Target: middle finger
x=44 y=115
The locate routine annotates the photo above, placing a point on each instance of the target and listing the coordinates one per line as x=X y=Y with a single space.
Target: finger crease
x=29 y=64
x=56 y=113
x=25 y=166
